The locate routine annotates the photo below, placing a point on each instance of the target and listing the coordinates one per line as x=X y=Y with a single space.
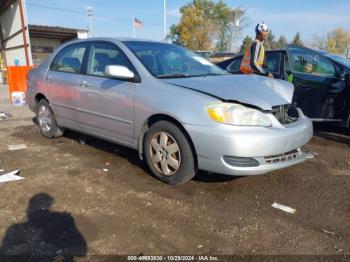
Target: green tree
x=205 y=24
x=246 y=43
x=225 y=25
x=281 y=42
x=319 y=42
x=192 y=31
x=174 y=35
x=297 y=40
x=270 y=42
x=338 y=41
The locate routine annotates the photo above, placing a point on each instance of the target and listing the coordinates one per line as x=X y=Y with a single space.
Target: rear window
x=70 y=59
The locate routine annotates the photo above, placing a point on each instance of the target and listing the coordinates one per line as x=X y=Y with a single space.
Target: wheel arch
x=164 y=117
x=38 y=97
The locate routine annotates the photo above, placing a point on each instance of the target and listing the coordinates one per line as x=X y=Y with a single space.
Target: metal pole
x=89 y=13
x=133 y=27
x=165 y=20
x=20 y=3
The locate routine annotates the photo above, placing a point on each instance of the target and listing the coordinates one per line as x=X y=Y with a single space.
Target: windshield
x=339 y=59
x=170 y=61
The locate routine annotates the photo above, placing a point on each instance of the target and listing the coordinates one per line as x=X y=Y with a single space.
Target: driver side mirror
x=120 y=72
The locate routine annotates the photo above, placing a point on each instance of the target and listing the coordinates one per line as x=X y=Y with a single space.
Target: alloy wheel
x=165 y=153
x=44 y=118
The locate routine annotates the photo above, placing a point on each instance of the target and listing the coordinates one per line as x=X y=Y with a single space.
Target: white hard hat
x=261 y=27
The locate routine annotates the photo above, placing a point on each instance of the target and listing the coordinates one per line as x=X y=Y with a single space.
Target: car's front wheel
x=168 y=153
x=47 y=121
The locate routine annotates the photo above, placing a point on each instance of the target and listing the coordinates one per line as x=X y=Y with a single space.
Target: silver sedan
x=179 y=111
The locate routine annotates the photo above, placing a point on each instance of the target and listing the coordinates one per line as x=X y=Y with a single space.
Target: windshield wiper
x=173 y=76
x=213 y=74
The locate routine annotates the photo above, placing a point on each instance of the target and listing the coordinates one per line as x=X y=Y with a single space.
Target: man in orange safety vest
x=254 y=57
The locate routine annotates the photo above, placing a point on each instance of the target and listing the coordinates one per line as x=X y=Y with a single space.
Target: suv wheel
x=47 y=122
x=169 y=154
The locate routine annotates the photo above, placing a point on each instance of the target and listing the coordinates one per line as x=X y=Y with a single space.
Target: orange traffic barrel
x=17 y=78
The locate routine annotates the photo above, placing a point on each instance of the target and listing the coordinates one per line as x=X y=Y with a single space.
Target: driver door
x=107 y=104
x=318 y=88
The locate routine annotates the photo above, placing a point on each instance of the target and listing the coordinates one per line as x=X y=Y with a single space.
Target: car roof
x=114 y=39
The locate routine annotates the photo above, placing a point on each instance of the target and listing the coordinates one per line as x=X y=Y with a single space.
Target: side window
x=273 y=62
x=309 y=62
x=104 y=54
x=69 y=60
x=235 y=66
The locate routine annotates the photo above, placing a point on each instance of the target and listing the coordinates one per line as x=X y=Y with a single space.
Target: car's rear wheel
x=168 y=153
x=47 y=121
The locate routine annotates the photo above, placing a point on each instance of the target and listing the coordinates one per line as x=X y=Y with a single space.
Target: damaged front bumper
x=241 y=151
x=267 y=164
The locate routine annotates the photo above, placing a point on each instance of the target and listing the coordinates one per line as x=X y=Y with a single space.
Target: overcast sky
x=114 y=17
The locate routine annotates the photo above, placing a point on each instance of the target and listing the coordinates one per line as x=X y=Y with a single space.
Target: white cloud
x=174 y=13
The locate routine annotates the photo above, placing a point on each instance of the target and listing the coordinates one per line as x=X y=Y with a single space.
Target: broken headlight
x=236 y=114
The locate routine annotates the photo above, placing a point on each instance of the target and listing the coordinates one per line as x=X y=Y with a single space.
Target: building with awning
x=45 y=39
x=14 y=34
x=23 y=46
x=26 y=45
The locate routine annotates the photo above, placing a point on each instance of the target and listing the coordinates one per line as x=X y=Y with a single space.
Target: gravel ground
x=99 y=199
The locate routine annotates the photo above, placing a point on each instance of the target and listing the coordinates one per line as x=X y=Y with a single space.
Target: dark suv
x=321 y=80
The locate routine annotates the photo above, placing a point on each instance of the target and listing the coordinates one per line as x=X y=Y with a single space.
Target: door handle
x=84 y=84
x=49 y=78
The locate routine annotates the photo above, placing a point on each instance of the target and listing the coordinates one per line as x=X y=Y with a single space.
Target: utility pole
x=164 y=19
x=89 y=10
x=232 y=26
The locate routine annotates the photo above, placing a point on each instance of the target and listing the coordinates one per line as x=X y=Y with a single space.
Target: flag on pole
x=138 y=23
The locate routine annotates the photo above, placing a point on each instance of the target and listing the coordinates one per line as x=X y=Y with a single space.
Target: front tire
x=168 y=153
x=47 y=121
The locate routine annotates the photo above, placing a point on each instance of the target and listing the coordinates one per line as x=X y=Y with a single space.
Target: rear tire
x=47 y=121
x=169 y=154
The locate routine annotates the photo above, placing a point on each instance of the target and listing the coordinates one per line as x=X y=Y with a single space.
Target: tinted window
x=70 y=59
x=235 y=66
x=272 y=63
x=339 y=59
x=166 y=60
x=104 y=54
x=307 y=61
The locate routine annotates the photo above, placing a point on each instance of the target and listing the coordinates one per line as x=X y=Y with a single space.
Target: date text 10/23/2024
x=172 y=258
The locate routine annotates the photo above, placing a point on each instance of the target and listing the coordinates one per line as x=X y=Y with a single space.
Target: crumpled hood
x=255 y=90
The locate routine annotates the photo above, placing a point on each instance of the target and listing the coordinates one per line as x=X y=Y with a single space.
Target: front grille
x=283 y=157
x=285 y=114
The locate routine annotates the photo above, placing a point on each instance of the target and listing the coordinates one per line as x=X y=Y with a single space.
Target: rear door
x=319 y=91
x=61 y=81
x=106 y=104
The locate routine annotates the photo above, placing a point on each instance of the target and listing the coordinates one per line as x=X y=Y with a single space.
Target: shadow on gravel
x=45 y=236
x=333 y=133
x=129 y=154
x=132 y=156
x=208 y=177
